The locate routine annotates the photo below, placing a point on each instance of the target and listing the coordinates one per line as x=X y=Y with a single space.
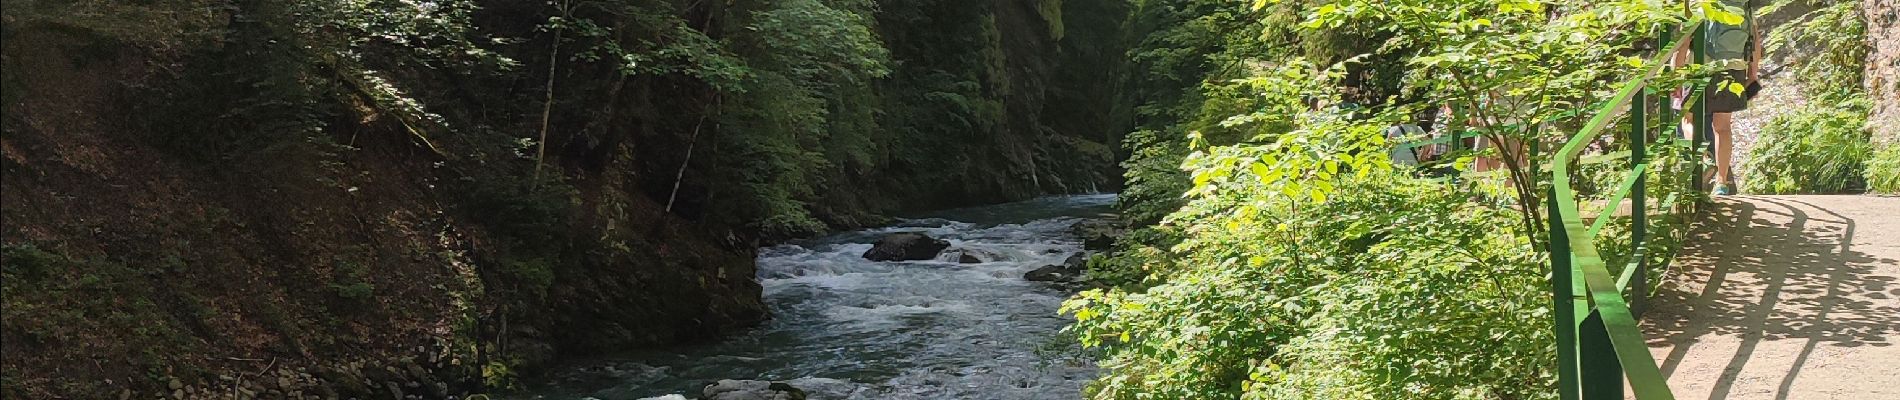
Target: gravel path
x=1785 y=297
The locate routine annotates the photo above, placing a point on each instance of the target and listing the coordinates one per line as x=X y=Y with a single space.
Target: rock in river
x=906 y=246
x=973 y=256
x=728 y=389
x=1069 y=271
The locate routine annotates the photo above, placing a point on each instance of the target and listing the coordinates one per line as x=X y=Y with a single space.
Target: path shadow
x=1813 y=286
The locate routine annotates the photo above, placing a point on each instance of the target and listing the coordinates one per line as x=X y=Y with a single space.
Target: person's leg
x=1482 y=163
x=1724 y=146
x=1687 y=127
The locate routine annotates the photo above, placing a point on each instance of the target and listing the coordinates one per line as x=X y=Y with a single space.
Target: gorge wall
x=207 y=197
x=1883 y=68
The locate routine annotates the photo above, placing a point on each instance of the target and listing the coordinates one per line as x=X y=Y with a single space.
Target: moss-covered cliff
x=208 y=196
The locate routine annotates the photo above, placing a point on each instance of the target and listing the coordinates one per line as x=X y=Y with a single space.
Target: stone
x=906 y=246
x=395 y=389
x=827 y=388
x=1046 y=273
x=730 y=389
x=1069 y=271
x=974 y=256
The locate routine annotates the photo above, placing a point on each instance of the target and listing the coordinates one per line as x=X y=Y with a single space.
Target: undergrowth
x=1883 y=170
x=1821 y=147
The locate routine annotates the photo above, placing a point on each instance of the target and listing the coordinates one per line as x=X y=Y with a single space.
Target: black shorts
x=1721 y=98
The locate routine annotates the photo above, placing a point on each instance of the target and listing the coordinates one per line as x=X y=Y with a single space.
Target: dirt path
x=1785 y=297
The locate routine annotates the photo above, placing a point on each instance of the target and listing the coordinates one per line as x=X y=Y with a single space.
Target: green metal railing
x=1598 y=342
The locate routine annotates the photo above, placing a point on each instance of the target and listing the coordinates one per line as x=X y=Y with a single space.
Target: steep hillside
x=204 y=197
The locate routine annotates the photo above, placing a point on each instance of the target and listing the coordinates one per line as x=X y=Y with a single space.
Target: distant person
x=1735 y=51
x=1403 y=152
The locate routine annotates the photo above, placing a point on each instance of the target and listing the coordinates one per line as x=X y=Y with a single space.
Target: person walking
x=1734 y=50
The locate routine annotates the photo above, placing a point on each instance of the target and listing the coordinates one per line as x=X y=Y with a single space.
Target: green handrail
x=1599 y=343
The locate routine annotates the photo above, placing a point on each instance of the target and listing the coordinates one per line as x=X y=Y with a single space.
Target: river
x=848 y=328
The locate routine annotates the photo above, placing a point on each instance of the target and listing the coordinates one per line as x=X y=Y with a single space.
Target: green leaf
x=1721 y=13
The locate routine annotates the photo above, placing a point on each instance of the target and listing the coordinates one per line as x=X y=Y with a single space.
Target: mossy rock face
x=1883 y=68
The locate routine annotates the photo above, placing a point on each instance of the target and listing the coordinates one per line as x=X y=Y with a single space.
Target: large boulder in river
x=906 y=246
x=729 y=389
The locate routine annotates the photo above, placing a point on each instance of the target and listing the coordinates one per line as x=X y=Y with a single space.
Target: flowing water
x=848 y=328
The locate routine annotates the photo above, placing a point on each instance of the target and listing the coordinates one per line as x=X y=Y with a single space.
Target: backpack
x=1731 y=42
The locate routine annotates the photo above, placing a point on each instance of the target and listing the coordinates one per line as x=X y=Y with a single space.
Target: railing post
x=1562 y=302
x=1639 y=204
x=1601 y=372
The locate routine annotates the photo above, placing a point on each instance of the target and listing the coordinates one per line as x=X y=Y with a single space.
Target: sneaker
x=1724 y=189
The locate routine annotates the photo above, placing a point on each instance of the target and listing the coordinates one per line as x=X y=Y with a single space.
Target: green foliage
x=26 y=262
x=1399 y=290
x=818 y=42
x=639 y=38
x=534 y=276
x=800 y=113
x=350 y=280
x=1154 y=179
x=1134 y=262
x=1826 y=49
x=1821 y=147
x=1316 y=271
x=1883 y=170
x=1824 y=146
x=1051 y=13
x=767 y=119
x=529 y=216
x=51 y=299
x=1301 y=263
x=501 y=374
x=358 y=291
x=159 y=25
x=1183 y=45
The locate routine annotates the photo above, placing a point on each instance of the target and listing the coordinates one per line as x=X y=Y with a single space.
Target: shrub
x=1883 y=170
x=1822 y=147
x=26 y=261
x=358 y=291
x=1398 y=290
